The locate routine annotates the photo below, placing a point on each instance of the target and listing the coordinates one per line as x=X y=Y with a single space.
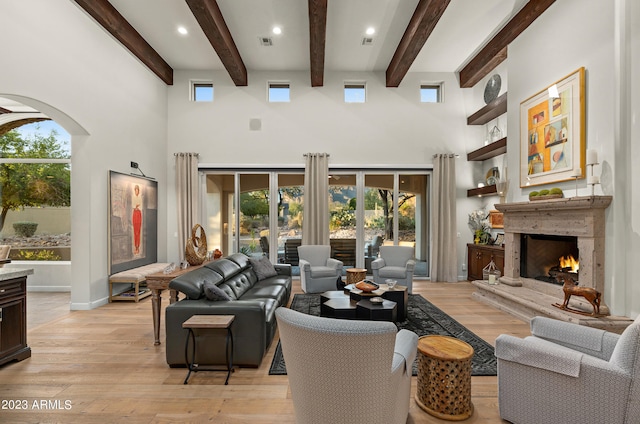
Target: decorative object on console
x=196 y=249
x=479 y=224
x=552 y=138
x=496 y=219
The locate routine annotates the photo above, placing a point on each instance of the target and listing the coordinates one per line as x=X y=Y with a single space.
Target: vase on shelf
x=476 y=240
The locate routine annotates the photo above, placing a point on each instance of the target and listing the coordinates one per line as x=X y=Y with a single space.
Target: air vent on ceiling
x=367 y=41
x=266 y=41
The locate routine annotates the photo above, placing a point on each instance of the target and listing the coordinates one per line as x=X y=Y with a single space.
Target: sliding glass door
x=260 y=213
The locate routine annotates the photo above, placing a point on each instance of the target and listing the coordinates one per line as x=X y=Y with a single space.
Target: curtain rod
x=315 y=154
x=187 y=153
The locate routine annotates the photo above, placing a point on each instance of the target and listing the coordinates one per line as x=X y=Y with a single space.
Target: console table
x=157 y=283
x=13 y=315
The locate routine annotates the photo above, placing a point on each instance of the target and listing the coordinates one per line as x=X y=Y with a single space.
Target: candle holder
x=592 y=180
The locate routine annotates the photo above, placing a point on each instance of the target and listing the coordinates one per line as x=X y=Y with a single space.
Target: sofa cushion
x=191 y=283
x=224 y=267
x=323 y=271
x=267 y=291
x=263 y=267
x=213 y=292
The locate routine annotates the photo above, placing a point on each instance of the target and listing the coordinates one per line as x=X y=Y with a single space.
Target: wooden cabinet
x=479 y=256
x=13 y=320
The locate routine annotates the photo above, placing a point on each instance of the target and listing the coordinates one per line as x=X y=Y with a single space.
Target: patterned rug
x=424 y=318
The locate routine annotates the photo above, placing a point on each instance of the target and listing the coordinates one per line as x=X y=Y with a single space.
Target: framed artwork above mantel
x=552 y=132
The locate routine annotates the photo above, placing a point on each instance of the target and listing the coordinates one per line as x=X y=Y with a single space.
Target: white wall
x=569 y=35
x=56 y=58
x=392 y=127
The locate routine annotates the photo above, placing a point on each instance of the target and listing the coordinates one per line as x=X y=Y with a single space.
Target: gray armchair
x=318 y=271
x=344 y=371
x=566 y=372
x=397 y=263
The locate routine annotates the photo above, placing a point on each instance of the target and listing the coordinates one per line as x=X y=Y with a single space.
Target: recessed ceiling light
x=370 y=31
x=277 y=30
x=182 y=30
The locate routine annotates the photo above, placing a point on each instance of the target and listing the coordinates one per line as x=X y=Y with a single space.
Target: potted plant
x=479 y=224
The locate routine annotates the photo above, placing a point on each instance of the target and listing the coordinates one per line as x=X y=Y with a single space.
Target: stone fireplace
x=575 y=225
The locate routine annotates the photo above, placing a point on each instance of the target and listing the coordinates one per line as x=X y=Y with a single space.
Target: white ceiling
x=463 y=29
x=461 y=32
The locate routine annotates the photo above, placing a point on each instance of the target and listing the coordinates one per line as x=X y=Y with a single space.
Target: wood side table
x=444 y=377
x=203 y=323
x=355 y=275
x=157 y=283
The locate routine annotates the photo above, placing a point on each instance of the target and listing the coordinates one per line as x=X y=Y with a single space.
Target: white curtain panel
x=187 y=196
x=444 y=264
x=315 y=222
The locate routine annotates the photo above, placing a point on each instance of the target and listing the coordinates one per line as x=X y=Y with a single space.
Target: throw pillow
x=213 y=292
x=263 y=267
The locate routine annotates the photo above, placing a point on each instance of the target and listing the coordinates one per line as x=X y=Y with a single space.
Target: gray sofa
x=253 y=303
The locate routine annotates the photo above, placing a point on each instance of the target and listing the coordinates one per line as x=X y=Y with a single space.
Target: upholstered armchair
x=395 y=262
x=318 y=271
x=374 y=247
x=5 y=249
x=566 y=373
x=347 y=371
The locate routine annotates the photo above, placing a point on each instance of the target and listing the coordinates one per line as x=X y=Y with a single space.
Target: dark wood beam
x=107 y=16
x=317 y=39
x=3 y=110
x=208 y=15
x=495 y=51
x=5 y=128
x=423 y=21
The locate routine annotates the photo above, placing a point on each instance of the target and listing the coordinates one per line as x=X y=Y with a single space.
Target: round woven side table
x=444 y=377
x=355 y=275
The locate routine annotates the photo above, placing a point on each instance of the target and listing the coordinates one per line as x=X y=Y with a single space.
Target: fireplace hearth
x=537 y=235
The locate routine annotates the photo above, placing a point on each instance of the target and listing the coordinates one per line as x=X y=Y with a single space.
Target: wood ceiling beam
x=317 y=40
x=111 y=20
x=495 y=52
x=208 y=15
x=3 y=110
x=423 y=21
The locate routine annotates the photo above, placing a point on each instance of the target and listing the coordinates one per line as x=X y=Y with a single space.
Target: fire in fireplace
x=545 y=256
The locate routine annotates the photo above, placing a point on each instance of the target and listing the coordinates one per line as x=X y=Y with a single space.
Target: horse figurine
x=570 y=287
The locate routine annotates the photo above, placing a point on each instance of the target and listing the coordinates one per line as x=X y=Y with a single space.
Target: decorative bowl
x=376 y=300
x=390 y=283
x=367 y=286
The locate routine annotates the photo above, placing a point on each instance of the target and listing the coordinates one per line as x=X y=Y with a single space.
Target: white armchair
x=566 y=372
x=395 y=262
x=347 y=371
x=5 y=249
x=318 y=271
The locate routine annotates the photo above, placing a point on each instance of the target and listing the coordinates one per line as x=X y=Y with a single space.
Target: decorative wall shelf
x=482 y=191
x=489 y=112
x=491 y=150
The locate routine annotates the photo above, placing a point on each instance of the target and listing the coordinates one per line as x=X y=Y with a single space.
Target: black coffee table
x=338 y=304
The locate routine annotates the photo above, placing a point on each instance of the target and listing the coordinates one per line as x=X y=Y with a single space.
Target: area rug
x=423 y=318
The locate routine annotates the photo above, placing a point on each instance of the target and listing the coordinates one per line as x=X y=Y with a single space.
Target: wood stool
x=444 y=377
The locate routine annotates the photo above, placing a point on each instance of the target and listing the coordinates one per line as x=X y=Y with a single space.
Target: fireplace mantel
x=580 y=217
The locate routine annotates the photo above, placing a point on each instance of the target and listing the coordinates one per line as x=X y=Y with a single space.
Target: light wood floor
x=104 y=365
